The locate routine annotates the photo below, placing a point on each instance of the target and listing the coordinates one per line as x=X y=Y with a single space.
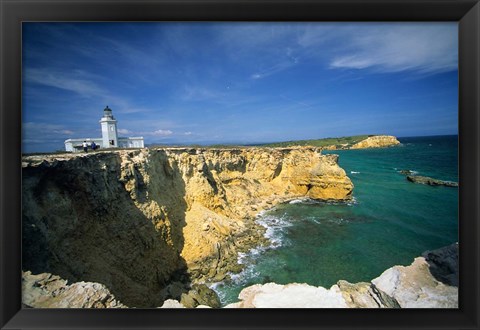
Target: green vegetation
x=339 y=142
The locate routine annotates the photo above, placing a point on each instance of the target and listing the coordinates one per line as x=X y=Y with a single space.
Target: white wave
x=274 y=226
x=354 y=172
x=412 y=172
x=352 y=201
x=245 y=276
x=298 y=201
x=337 y=220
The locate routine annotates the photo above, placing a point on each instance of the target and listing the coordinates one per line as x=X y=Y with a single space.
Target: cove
x=389 y=221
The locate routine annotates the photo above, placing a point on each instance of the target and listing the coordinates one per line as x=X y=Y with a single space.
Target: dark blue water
x=389 y=222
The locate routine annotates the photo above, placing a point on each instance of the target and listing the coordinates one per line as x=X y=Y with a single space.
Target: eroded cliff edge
x=138 y=221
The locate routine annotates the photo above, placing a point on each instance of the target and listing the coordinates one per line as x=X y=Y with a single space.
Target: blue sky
x=202 y=83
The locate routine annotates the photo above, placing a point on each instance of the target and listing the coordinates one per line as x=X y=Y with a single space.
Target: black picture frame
x=465 y=12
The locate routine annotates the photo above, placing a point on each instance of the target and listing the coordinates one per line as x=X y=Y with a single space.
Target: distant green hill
x=340 y=142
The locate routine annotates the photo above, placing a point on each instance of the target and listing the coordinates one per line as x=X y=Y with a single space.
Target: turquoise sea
x=390 y=220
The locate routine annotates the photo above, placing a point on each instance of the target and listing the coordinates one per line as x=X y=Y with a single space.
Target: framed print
x=240 y=164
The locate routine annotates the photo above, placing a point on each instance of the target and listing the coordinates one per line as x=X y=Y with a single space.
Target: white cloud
x=425 y=48
x=383 y=47
x=162 y=132
x=123 y=131
x=34 y=132
x=45 y=129
x=188 y=133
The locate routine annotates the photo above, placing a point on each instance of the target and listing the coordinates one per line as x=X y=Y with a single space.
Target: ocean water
x=390 y=221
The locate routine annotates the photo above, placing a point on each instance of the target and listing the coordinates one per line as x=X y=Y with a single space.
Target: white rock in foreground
x=415 y=287
x=50 y=291
x=430 y=281
x=171 y=303
x=294 y=295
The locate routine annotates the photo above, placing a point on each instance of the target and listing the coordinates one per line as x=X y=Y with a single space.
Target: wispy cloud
x=207 y=81
x=278 y=67
x=83 y=84
x=47 y=128
x=393 y=47
x=161 y=132
x=73 y=82
x=425 y=48
x=38 y=133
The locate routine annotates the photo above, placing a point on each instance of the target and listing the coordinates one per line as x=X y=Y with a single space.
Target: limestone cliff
x=376 y=141
x=138 y=221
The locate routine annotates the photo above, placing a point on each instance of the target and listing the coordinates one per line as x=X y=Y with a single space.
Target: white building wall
x=109 y=133
x=76 y=145
x=131 y=142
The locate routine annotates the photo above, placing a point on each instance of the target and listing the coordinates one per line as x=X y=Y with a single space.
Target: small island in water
x=291 y=224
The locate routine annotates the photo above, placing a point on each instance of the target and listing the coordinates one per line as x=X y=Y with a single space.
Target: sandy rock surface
x=377 y=141
x=50 y=291
x=138 y=220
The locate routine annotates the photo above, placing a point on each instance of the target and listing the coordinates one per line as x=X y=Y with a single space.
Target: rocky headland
x=153 y=224
x=376 y=141
x=371 y=141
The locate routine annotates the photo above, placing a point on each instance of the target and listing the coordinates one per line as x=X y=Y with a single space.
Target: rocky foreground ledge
x=431 y=281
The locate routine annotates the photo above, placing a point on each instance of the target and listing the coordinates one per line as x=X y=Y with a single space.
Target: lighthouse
x=109 y=129
x=109 y=137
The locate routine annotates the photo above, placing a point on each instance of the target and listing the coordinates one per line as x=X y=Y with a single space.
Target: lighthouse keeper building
x=109 y=137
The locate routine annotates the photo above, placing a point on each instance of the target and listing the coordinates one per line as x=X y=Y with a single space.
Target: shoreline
x=214 y=184
x=430 y=281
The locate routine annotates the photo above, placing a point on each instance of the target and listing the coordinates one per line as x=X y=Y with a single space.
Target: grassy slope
x=320 y=142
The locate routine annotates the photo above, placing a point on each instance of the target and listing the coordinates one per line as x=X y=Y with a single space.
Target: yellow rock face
x=138 y=216
x=226 y=188
x=223 y=189
x=377 y=141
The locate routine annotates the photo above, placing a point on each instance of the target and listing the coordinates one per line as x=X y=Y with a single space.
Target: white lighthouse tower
x=109 y=129
x=109 y=137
